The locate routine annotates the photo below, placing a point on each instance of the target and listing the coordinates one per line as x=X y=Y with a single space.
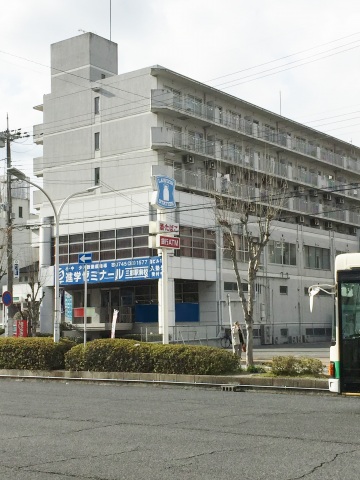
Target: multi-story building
x=23 y=254
x=115 y=131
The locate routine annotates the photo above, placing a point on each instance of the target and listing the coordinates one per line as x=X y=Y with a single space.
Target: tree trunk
x=249 y=343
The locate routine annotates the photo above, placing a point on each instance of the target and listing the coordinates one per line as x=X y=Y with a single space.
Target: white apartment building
x=23 y=254
x=115 y=131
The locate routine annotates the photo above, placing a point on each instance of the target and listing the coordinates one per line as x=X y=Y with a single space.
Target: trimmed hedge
x=119 y=355
x=293 y=366
x=33 y=353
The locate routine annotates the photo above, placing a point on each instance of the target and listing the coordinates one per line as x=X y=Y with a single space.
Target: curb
x=225 y=382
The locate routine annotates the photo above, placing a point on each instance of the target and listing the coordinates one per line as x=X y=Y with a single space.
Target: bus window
x=350 y=309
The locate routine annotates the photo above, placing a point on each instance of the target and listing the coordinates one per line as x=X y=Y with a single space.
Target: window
x=20 y=212
x=186 y=291
x=314 y=332
x=97 y=176
x=284 y=332
x=282 y=253
x=103 y=76
x=97 y=105
x=317 y=257
x=97 y=140
x=283 y=289
x=197 y=242
x=193 y=104
x=232 y=287
x=177 y=96
x=242 y=248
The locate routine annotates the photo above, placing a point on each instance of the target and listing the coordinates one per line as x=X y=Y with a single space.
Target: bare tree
x=245 y=212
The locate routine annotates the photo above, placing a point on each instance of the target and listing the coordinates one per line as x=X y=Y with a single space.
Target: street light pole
x=57 y=213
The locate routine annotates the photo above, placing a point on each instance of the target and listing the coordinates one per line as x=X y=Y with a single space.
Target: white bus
x=344 y=368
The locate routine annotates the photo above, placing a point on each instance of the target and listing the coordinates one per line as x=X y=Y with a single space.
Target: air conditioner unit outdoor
x=353 y=230
x=252 y=207
x=212 y=165
x=340 y=201
x=299 y=189
x=328 y=225
x=315 y=222
x=327 y=196
x=313 y=193
x=300 y=219
x=188 y=159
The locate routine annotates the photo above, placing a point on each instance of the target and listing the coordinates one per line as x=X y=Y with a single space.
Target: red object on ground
x=21 y=328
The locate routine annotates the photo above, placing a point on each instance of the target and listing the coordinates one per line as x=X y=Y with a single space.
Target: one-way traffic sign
x=85 y=258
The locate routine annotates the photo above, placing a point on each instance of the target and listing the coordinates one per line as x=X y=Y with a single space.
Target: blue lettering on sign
x=145 y=268
x=165 y=187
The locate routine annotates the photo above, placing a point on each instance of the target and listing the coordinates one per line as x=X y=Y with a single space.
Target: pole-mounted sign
x=16 y=269
x=7 y=298
x=85 y=258
x=164 y=195
x=163 y=241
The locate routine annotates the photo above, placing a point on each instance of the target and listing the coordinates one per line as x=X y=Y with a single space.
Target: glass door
x=349 y=330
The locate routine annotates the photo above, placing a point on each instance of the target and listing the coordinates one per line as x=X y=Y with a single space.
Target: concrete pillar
x=46 y=275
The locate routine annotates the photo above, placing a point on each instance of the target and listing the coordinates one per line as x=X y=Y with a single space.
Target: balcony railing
x=187 y=105
x=223 y=185
x=163 y=137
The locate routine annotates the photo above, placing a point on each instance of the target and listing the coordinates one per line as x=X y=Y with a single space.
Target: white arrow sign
x=85 y=258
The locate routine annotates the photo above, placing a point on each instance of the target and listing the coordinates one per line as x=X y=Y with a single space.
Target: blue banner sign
x=145 y=268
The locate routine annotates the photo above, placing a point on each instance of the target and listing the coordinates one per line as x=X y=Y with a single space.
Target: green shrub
x=292 y=366
x=140 y=337
x=119 y=355
x=74 y=358
x=33 y=353
x=255 y=369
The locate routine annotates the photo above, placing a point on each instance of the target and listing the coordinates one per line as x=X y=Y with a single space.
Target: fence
x=263 y=334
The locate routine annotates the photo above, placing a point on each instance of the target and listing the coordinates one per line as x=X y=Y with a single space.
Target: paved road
x=61 y=431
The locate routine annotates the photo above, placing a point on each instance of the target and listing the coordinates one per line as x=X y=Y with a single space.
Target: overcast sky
x=298 y=56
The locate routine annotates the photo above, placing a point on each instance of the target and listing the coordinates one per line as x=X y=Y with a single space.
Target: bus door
x=349 y=330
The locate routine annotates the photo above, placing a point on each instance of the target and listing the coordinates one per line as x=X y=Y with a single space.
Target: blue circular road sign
x=7 y=298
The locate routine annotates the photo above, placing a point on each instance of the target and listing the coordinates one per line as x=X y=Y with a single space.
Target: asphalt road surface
x=67 y=431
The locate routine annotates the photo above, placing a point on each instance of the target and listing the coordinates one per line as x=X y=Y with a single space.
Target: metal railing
x=190 y=106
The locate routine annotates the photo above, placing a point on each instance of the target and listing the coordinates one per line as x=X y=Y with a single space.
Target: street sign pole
x=7 y=299
x=85 y=258
x=164 y=199
x=164 y=286
x=85 y=303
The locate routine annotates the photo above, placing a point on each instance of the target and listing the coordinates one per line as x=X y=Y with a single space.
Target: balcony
x=221 y=184
x=38 y=133
x=38 y=166
x=169 y=140
x=163 y=138
x=187 y=106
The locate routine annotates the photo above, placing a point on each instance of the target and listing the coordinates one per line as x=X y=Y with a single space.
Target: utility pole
x=7 y=137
